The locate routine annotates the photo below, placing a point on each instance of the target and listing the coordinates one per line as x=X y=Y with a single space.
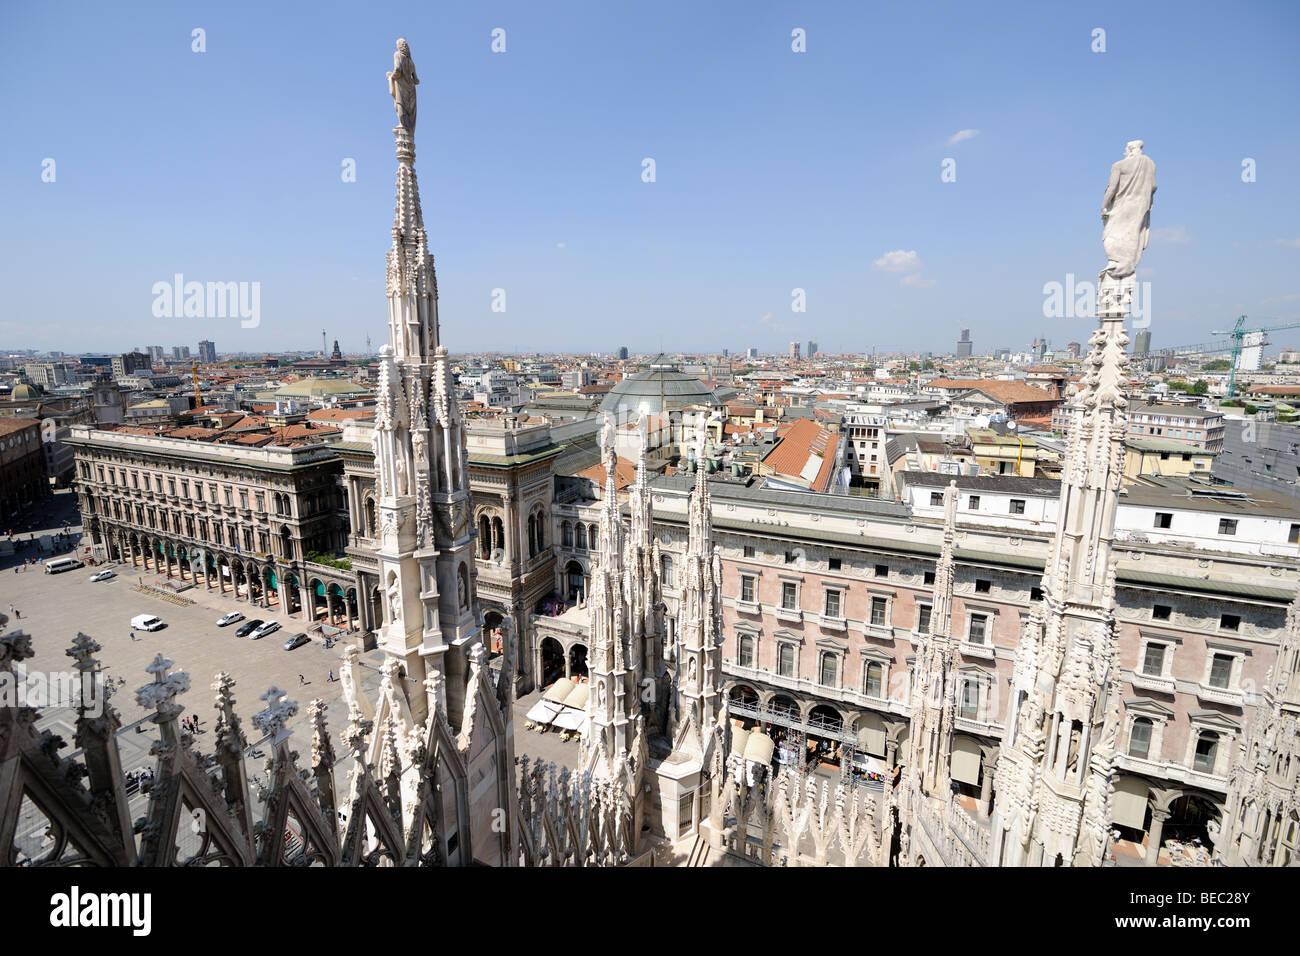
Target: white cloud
x=1293 y=243
x=962 y=135
x=917 y=282
x=1173 y=235
x=560 y=245
x=899 y=260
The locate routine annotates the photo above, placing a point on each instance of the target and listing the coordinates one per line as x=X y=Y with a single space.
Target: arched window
x=785 y=660
x=875 y=675
x=827 y=669
x=666 y=571
x=582 y=537
x=484 y=536
x=745 y=650
x=1207 y=751
x=593 y=535
x=1139 y=738
x=532 y=536
x=370 y=518
x=566 y=534
x=498 y=535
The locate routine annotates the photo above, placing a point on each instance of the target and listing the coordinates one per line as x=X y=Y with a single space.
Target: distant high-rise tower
x=1142 y=341
x=751 y=353
x=207 y=352
x=622 y=352
x=812 y=348
x=180 y=351
x=964 y=344
x=794 y=350
x=156 y=353
x=336 y=355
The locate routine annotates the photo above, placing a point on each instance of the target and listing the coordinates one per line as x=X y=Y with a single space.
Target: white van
x=146 y=622
x=58 y=565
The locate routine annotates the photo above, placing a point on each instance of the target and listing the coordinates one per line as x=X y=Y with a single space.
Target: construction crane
x=1239 y=340
x=198 y=396
x=1254 y=340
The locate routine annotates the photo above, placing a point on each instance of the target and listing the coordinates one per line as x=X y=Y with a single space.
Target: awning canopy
x=871 y=735
x=543 y=712
x=561 y=689
x=1128 y=807
x=965 y=761
x=578 y=697
x=759 y=747
x=570 y=719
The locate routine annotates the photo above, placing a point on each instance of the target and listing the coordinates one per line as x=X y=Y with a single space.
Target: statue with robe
x=401 y=86
x=1126 y=211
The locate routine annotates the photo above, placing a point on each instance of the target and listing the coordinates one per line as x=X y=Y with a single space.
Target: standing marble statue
x=1126 y=211
x=401 y=86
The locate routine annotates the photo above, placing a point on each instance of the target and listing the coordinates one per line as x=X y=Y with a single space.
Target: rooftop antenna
x=323 y=350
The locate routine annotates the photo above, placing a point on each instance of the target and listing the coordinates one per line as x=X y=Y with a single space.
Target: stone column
x=1158 y=818
x=986 y=787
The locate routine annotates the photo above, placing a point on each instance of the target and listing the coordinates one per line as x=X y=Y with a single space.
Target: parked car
x=264 y=630
x=230 y=618
x=103 y=575
x=248 y=627
x=147 y=622
x=298 y=640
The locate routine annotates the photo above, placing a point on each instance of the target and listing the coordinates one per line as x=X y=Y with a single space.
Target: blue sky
x=774 y=170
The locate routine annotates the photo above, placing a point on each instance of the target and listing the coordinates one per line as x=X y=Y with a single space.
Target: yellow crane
x=198 y=396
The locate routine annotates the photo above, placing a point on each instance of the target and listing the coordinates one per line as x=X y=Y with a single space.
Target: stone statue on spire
x=401 y=86
x=1126 y=211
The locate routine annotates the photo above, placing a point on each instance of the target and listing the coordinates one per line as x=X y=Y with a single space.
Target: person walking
x=331 y=680
x=301 y=680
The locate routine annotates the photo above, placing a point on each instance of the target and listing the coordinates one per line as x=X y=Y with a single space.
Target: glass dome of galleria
x=663 y=387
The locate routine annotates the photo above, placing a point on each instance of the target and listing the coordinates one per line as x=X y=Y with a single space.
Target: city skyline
x=535 y=175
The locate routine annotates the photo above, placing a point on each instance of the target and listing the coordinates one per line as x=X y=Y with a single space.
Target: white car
x=103 y=575
x=264 y=630
x=147 y=622
x=230 y=618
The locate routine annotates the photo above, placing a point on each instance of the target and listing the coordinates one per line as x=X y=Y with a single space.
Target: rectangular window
x=747 y=588
x=789 y=557
x=1164 y=519
x=1161 y=612
x=978 y=628
x=834 y=564
x=785 y=660
x=243 y=499
x=936 y=497
x=261 y=503
x=1230 y=622
x=878 y=610
x=1221 y=671
x=749 y=550
x=1293 y=536
x=1153 y=661
x=789 y=596
x=882 y=570
x=1227 y=526
x=982 y=586
x=1035 y=594
x=974 y=502
x=970 y=700
x=832 y=603
x=1017 y=506
x=929 y=577
x=923 y=619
